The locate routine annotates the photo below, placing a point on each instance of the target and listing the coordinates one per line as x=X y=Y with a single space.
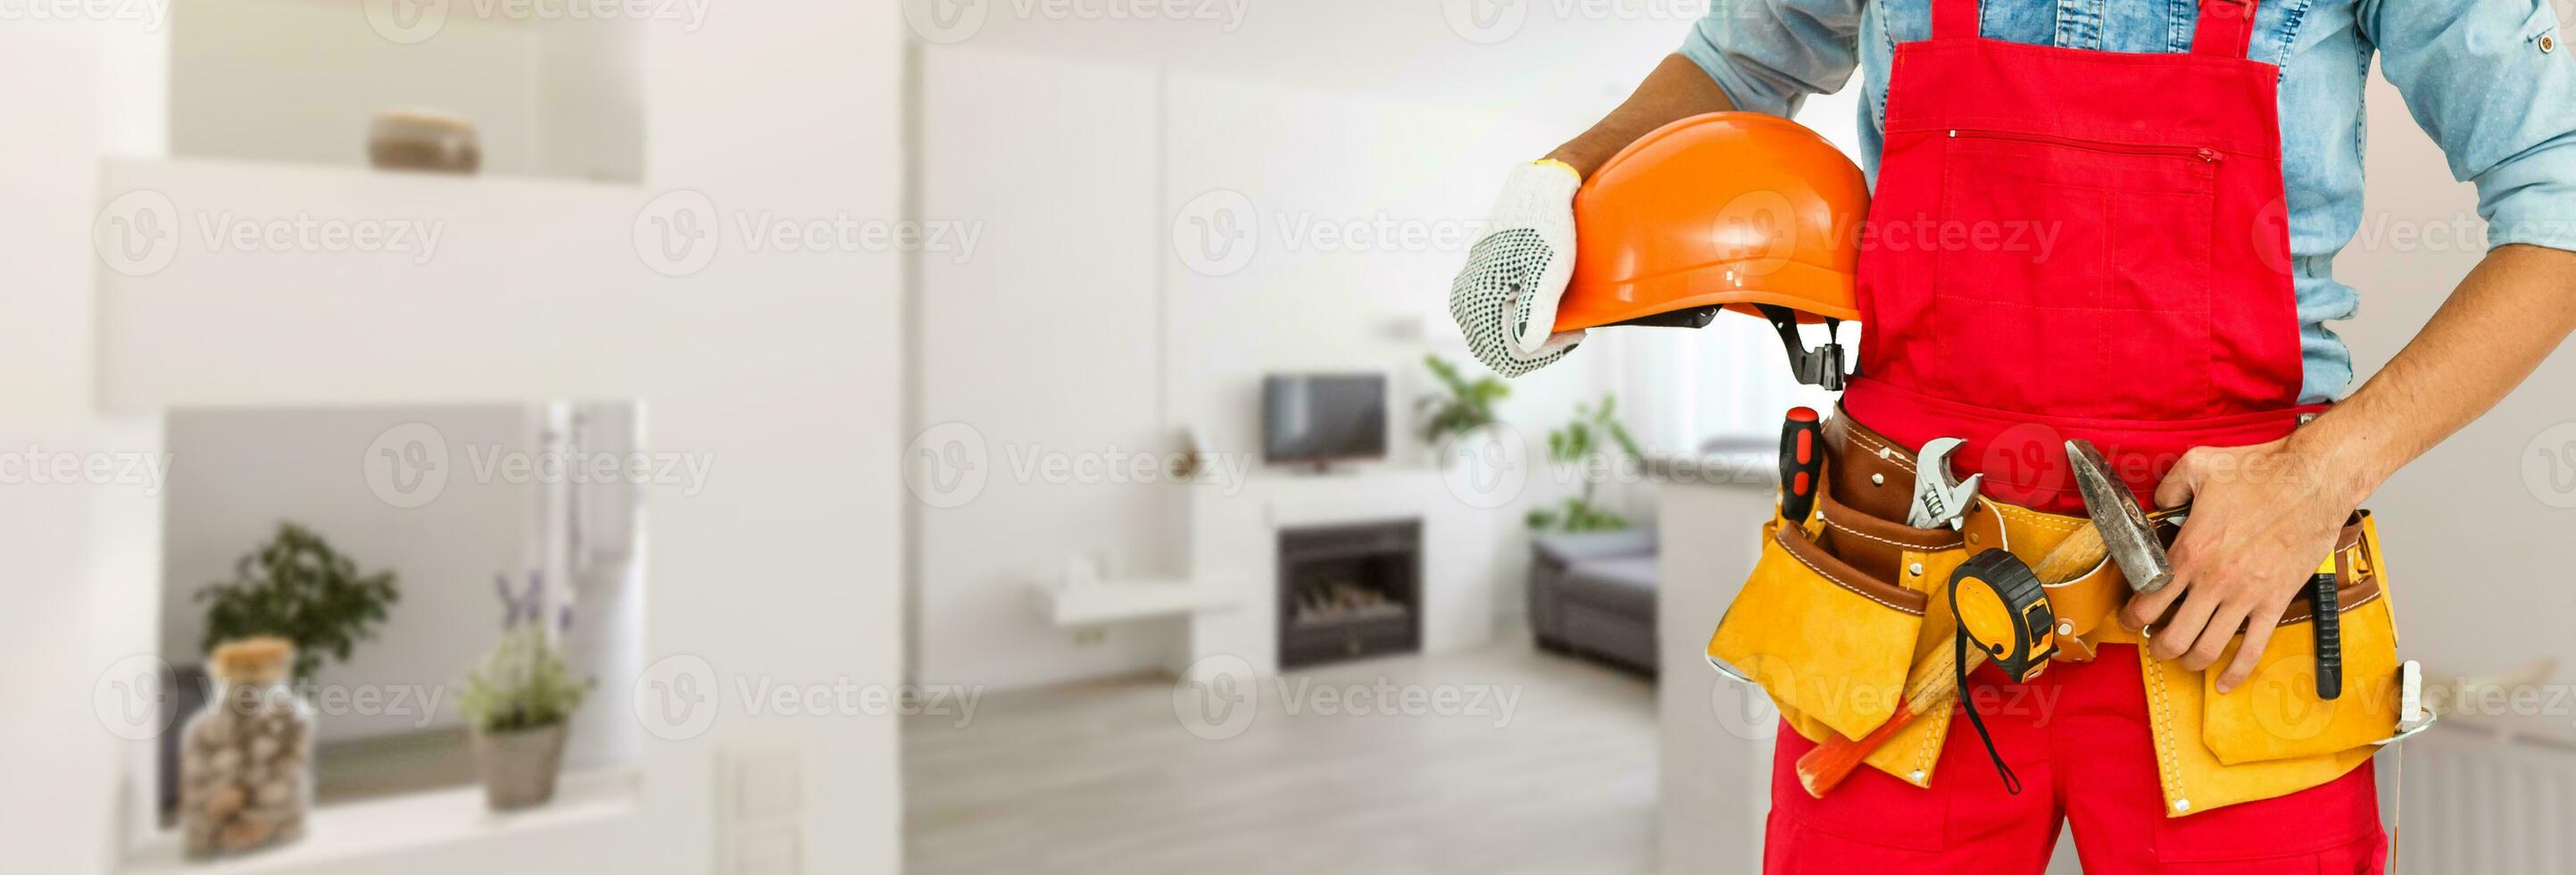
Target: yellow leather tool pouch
x=2273 y=734
x=1821 y=638
x=2277 y=714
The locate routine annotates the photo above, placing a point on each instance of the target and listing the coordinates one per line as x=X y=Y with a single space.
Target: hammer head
x=2126 y=534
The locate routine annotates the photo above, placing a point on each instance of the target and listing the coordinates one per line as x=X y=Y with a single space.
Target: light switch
x=767 y=787
x=766 y=850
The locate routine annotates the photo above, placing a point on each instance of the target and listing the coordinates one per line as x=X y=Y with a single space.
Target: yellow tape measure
x=2003 y=610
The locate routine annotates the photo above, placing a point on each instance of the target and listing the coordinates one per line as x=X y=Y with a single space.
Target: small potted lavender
x=518 y=701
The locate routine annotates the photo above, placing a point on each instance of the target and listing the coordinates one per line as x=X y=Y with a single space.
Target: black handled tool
x=1802 y=463
x=2328 y=625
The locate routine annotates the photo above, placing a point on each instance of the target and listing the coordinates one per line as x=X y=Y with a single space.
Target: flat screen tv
x=1315 y=419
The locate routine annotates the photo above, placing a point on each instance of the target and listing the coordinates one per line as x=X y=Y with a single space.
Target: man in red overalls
x=2199 y=163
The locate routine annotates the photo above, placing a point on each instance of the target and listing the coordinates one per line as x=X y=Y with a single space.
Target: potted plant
x=1464 y=406
x=298 y=588
x=1594 y=431
x=518 y=701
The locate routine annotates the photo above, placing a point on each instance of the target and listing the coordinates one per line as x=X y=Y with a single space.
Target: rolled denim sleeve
x=2493 y=84
x=1770 y=54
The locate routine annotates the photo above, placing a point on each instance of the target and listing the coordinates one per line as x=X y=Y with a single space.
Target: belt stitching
x=1847 y=586
x=1893 y=455
x=2164 y=729
x=1921 y=548
x=1925 y=754
x=2036 y=518
x=2302 y=618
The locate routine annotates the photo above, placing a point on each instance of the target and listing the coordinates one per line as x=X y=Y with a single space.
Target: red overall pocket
x=2063 y=256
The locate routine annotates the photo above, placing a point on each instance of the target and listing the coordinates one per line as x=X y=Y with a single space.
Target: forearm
x=2493 y=331
x=1676 y=90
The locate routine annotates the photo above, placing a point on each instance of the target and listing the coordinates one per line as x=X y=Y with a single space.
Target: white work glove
x=1505 y=299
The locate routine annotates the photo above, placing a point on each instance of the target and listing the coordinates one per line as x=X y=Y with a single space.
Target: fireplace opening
x=1347 y=592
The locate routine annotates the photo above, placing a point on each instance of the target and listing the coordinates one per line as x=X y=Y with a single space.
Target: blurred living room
x=953 y=436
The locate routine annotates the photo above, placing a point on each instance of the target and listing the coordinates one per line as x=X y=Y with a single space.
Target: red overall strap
x=1954 y=19
x=2226 y=28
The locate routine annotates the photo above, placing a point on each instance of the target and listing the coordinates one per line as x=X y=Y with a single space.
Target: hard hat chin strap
x=1821 y=366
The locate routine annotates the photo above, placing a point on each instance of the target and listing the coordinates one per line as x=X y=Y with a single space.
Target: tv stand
x=1320 y=468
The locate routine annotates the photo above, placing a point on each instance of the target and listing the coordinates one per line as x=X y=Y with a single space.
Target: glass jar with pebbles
x=246 y=761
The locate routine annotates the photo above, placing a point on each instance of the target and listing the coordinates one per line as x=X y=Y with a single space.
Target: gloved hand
x=1505 y=299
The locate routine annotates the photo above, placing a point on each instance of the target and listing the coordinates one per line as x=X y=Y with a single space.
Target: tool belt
x=1842 y=606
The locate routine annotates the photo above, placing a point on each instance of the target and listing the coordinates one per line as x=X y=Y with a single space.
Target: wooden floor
x=1106 y=778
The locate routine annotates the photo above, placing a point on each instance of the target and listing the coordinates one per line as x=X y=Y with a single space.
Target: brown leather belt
x=1869 y=486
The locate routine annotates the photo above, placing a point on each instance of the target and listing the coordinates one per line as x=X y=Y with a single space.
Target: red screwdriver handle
x=1802 y=463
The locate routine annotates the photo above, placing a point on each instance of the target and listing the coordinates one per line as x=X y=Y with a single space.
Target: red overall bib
x=2062 y=244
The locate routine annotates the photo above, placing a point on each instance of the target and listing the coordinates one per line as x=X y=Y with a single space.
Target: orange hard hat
x=1733 y=210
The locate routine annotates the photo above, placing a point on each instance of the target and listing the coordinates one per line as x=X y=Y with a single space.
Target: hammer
x=2117 y=527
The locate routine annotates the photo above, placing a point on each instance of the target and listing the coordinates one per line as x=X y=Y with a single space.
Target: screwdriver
x=1802 y=463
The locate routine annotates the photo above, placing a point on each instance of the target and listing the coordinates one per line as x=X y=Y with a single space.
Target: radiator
x=2478 y=800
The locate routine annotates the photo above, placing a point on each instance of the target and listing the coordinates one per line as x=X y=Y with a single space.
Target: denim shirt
x=2488 y=79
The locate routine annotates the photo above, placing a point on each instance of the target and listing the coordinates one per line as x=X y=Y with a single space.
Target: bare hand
x=2262 y=519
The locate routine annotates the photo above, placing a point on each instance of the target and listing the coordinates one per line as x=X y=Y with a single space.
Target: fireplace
x=1347 y=592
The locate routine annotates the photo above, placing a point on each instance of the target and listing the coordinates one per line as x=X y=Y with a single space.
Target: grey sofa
x=1593 y=594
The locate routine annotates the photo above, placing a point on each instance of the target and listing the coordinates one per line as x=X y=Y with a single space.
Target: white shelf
x=1095 y=603
x=344 y=834
x=294 y=80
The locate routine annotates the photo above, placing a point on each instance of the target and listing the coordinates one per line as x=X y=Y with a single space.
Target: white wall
x=2468 y=537
x=66 y=544
x=296 y=80
x=236 y=474
x=1043 y=343
x=781 y=367
x=1078 y=328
